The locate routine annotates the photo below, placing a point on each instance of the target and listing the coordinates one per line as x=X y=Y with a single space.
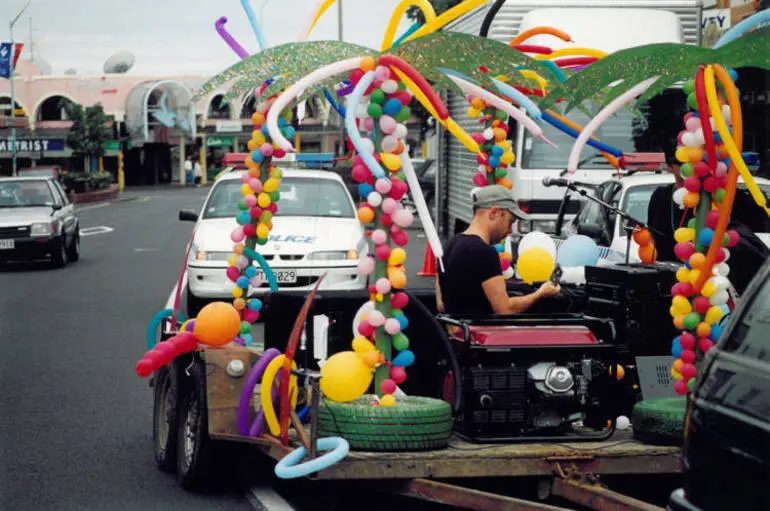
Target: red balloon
x=687 y=289
x=388 y=386
x=701 y=304
x=734 y=238
x=233 y=273
x=403 y=96
x=400 y=238
x=688 y=356
x=705 y=344
x=398 y=374
x=504 y=264
x=185 y=342
x=684 y=250
x=712 y=217
x=166 y=351
x=687 y=340
x=701 y=169
x=710 y=184
x=144 y=368
x=680 y=387
x=356 y=75
x=358 y=161
x=692 y=184
x=419 y=80
x=249 y=230
x=382 y=252
x=154 y=358
x=386 y=220
x=721 y=255
x=399 y=300
x=279 y=153
x=688 y=371
x=273 y=208
x=366 y=329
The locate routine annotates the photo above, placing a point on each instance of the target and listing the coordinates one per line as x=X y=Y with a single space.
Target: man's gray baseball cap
x=496 y=196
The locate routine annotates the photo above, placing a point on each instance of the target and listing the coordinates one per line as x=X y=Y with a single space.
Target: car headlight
x=42 y=229
x=202 y=255
x=333 y=255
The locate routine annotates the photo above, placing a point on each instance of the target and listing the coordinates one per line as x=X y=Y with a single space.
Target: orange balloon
x=647 y=253
x=505 y=182
x=697 y=260
x=703 y=330
x=365 y=215
x=239 y=304
x=258 y=118
x=368 y=64
x=252 y=145
x=691 y=200
x=217 y=323
x=506 y=255
x=397 y=277
x=695 y=155
x=679 y=322
x=642 y=237
x=678 y=363
x=254 y=172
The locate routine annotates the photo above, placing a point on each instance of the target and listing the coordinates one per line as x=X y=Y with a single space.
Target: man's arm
x=439 y=299
x=497 y=294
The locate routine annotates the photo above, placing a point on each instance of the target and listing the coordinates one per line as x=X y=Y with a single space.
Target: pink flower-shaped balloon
x=237 y=235
x=382 y=286
x=375 y=318
x=403 y=218
x=250 y=200
x=379 y=237
x=389 y=206
x=392 y=326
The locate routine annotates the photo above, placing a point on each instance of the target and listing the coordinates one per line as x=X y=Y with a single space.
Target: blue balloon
x=251 y=272
x=403 y=321
x=706 y=236
x=578 y=250
x=248 y=340
x=733 y=74
x=289 y=132
x=404 y=359
x=676 y=348
x=717 y=138
x=497 y=151
x=494 y=162
x=242 y=282
x=255 y=304
x=716 y=333
x=281 y=122
x=265 y=132
x=257 y=156
x=244 y=217
x=364 y=189
x=392 y=107
x=500 y=248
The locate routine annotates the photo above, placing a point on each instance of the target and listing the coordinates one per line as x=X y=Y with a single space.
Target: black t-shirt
x=468 y=262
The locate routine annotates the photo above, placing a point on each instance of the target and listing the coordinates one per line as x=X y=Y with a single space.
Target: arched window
x=53 y=108
x=219 y=108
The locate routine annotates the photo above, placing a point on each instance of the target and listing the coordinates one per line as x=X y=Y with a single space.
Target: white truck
x=608 y=25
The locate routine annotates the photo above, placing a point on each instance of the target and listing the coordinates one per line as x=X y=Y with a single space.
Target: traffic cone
x=428 y=263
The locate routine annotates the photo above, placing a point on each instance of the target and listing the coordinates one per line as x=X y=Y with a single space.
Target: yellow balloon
x=388 y=400
x=370 y=358
x=535 y=265
x=237 y=292
x=673 y=311
x=473 y=112
x=397 y=278
x=345 y=377
x=681 y=304
x=231 y=260
x=676 y=374
x=694 y=276
x=390 y=33
x=268 y=378
x=391 y=161
x=713 y=315
x=682 y=154
x=263 y=200
x=362 y=344
x=397 y=256
x=709 y=289
x=262 y=231
x=683 y=274
x=258 y=137
x=684 y=234
x=246 y=190
x=508 y=158
x=271 y=185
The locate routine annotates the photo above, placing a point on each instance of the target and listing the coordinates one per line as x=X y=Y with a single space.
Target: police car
x=630 y=194
x=315 y=231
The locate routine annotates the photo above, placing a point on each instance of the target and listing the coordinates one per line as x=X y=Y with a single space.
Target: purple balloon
x=232 y=43
x=244 y=405
x=259 y=422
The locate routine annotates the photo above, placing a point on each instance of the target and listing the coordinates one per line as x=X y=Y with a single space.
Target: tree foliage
x=440 y=6
x=89 y=129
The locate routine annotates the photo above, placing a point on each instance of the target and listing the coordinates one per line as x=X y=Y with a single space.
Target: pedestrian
x=197 y=173
x=188 y=171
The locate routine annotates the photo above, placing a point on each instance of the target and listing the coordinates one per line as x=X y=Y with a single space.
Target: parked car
x=37 y=221
x=726 y=452
x=315 y=231
x=630 y=194
x=54 y=171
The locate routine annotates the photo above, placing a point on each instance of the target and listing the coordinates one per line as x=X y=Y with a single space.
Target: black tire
x=194 y=304
x=165 y=418
x=59 y=252
x=73 y=252
x=660 y=421
x=414 y=424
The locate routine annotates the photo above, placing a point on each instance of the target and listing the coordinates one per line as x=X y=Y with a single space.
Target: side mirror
x=185 y=215
x=56 y=207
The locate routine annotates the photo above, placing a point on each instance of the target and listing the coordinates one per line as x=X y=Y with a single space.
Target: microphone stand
x=629 y=228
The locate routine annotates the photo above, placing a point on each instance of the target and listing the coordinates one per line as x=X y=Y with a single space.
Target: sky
x=176 y=37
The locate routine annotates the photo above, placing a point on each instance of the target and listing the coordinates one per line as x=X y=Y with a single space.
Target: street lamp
x=13 y=89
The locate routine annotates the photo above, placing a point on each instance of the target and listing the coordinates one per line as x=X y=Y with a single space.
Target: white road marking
x=146 y=249
x=90 y=231
x=94 y=206
x=264 y=498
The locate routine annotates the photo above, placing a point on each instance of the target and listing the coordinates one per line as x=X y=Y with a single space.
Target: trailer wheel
x=165 y=423
x=201 y=462
x=660 y=421
x=414 y=424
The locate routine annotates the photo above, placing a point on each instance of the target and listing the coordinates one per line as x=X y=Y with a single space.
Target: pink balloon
x=233 y=273
x=255 y=281
x=721 y=170
x=693 y=123
x=388 y=124
x=390 y=206
x=504 y=264
x=679 y=137
x=392 y=326
x=379 y=237
x=250 y=315
x=360 y=173
x=266 y=149
x=399 y=300
x=365 y=265
x=382 y=286
x=398 y=189
x=255 y=184
x=382 y=185
x=250 y=200
x=382 y=73
x=479 y=179
x=403 y=218
x=245 y=177
x=382 y=252
x=399 y=238
x=237 y=235
x=375 y=318
x=388 y=386
x=398 y=374
x=368 y=124
x=478 y=137
x=241 y=261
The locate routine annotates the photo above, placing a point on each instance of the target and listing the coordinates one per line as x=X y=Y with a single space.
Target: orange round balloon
x=642 y=237
x=647 y=253
x=217 y=323
x=505 y=182
x=679 y=322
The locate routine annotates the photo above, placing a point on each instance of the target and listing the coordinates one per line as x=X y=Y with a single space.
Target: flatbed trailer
x=569 y=470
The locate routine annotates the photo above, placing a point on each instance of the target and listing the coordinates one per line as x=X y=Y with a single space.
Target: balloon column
x=709 y=150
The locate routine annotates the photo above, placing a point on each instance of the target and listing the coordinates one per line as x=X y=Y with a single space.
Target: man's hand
x=549 y=289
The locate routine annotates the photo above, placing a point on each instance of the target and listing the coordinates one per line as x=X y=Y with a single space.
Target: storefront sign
x=32 y=145
x=219 y=141
x=111 y=145
x=229 y=126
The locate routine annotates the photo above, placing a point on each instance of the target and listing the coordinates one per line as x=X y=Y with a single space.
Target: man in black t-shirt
x=472 y=282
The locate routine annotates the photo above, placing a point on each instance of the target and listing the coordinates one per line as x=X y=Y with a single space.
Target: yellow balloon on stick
x=345 y=377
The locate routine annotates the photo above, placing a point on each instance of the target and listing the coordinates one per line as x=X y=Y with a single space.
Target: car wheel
x=73 y=252
x=165 y=423
x=59 y=252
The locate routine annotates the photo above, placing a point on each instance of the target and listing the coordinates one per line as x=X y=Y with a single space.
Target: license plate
x=9 y=245
x=282 y=276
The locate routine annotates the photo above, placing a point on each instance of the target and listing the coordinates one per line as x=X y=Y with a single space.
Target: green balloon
x=261 y=241
x=692 y=101
x=242 y=206
x=400 y=342
x=397 y=312
x=378 y=96
x=401 y=86
x=725 y=240
x=266 y=216
x=691 y=223
x=401 y=176
x=691 y=384
x=692 y=320
x=689 y=87
x=288 y=115
x=276 y=173
x=245 y=327
x=403 y=115
x=501 y=173
x=374 y=110
x=275 y=196
x=501 y=115
x=687 y=170
x=719 y=195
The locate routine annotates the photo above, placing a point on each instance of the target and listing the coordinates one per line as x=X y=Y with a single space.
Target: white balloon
x=422 y=208
x=537 y=239
x=509 y=273
x=721 y=283
x=364 y=309
x=389 y=144
x=622 y=423
x=679 y=196
x=389 y=86
x=726 y=113
x=482 y=169
x=690 y=140
x=723 y=269
x=726 y=251
x=699 y=136
x=489 y=134
x=374 y=198
x=401 y=131
x=367 y=145
x=719 y=298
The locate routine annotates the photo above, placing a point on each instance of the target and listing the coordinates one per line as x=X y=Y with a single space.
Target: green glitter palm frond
x=671 y=62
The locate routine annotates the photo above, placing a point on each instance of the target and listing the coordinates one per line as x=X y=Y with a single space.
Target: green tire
x=414 y=424
x=660 y=421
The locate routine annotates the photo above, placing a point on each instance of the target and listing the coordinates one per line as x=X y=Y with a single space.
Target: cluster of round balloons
x=538 y=255
x=700 y=297
x=495 y=149
x=506 y=261
x=217 y=324
x=643 y=238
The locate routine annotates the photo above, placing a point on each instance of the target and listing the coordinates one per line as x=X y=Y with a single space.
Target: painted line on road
x=264 y=498
x=94 y=206
x=100 y=229
x=146 y=249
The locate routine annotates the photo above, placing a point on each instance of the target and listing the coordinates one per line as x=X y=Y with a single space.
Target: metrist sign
x=32 y=145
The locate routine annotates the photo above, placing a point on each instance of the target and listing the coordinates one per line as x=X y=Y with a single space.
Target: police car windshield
x=305 y=197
